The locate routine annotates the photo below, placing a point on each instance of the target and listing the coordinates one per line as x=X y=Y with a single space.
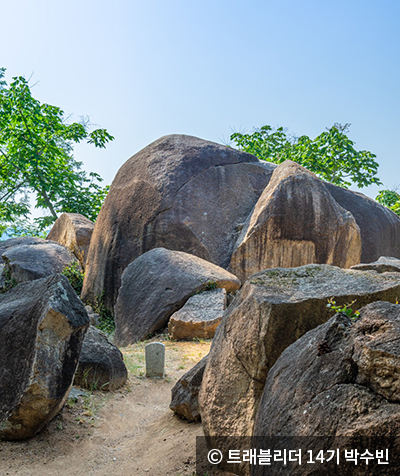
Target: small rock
x=101 y=365
x=199 y=317
x=385 y=264
x=185 y=392
x=157 y=284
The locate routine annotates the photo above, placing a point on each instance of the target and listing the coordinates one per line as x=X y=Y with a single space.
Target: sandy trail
x=129 y=432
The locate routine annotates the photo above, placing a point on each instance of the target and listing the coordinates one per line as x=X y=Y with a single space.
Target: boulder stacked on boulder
x=274 y=309
x=296 y=221
x=74 y=231
x=181 y=193
x=186 y=194
x=379 y=226
x=157 y=284
x=42 y=327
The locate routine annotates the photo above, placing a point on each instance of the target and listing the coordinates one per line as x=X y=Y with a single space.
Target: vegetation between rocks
x=75 y=276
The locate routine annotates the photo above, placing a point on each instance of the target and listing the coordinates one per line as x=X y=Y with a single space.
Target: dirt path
x=129 y=432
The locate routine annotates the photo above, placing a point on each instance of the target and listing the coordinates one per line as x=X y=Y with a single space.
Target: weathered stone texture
x=74 y=231
x=274 y=309
x=26 y=260
x=42 y=327
x=101 y=364
x=157 y=284
x=295 y=222
x=199 y=317
x=185 y=392
x=358 y=374
x=181 y=193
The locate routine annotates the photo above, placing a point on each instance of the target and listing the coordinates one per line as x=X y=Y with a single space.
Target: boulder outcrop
x=296 y=221
x=181 y=193
x=199 y=317
x=42 y=327
x=101 y=364
x=157 y=284
x=272 y=310
x=74 y=231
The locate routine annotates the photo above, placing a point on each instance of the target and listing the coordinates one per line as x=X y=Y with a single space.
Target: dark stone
x=185 y=393
x=26 y=260
x=42 y=327
x=353 y=390
x=101 y=364
x=272 y=310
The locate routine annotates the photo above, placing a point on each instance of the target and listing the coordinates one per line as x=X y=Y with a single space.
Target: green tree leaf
x=36 y=157
x=331 y=155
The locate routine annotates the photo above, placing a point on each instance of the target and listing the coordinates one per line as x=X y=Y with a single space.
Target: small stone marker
x=155 y=359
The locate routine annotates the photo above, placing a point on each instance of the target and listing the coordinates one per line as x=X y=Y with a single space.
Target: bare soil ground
x=128 y=432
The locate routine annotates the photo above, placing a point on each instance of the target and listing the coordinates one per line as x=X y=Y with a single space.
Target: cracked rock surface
x=274 y=309
x=352 y=388
x=181 y=193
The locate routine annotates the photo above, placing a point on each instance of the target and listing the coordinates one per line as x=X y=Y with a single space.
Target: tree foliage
x=331 y=155
x=36 y=145
x=390 y=199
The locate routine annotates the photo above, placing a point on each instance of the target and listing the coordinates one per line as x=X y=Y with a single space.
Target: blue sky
x=208 y=68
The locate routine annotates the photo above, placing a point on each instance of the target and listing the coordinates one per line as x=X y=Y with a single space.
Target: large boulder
x=184 y=401
x=379 y=226
x=340 y=379
x=274 y=309
x=42 y=327
x=199 y=317
x=181 y=193
x=385 y=264
x=26 y=260
x=157 y=284
x=74 y=231
x=101 y=363
x=296 y=221
x=354 y=365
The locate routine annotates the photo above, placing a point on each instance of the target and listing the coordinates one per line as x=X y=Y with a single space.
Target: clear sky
x=144 y=69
